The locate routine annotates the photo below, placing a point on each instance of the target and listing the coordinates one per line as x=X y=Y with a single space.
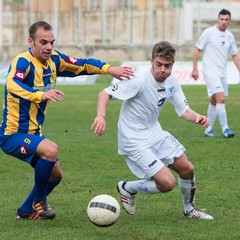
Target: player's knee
x=190 y=171
x=167 y=186
x=51 y=152
x=187 y=172
x=170 y=185
x=47 y=150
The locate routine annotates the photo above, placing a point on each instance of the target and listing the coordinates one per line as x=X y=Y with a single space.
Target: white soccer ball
x=103 y=210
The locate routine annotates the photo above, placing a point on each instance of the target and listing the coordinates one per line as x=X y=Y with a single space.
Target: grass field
x=92 y=166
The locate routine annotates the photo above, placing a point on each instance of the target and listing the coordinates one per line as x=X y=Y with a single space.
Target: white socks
x=187 y=188
x=222 y=115
x=217 y=111
x=144 y=186
x=212 y=114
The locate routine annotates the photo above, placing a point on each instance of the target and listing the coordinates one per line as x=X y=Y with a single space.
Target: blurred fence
x=91 y=24
x=96 y=22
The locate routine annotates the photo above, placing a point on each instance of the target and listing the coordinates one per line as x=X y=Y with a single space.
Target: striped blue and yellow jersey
x=28 y=79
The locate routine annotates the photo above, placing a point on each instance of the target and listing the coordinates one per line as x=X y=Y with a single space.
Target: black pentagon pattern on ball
x=103 y=205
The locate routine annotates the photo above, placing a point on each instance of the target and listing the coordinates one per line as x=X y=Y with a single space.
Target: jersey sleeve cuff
x=105 y=68
x=38 y=96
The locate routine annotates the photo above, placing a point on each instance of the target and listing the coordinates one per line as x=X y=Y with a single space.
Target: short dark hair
x=165 y=50
x=224 y=12
x=35 y=26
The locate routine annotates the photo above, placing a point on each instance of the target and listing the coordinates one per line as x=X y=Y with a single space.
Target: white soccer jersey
x=216 y=46
x=143 y=98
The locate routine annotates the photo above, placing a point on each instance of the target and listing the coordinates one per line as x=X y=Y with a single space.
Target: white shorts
x=155 y=158
x=216 y=84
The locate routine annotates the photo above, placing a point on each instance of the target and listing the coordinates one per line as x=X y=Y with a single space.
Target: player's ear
x=30 y=42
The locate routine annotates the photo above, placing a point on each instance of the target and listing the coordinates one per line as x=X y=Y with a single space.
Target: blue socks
x=43 y=170
x=42 y=185
x=27 y=205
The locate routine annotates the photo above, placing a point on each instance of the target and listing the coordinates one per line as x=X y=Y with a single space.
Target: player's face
x=223 y=22
x=161 y=68
x=42 y=45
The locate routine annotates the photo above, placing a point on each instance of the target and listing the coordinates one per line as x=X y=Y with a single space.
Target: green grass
x=92 y=166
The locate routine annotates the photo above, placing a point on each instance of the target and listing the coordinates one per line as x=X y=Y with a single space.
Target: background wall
x=112 y=29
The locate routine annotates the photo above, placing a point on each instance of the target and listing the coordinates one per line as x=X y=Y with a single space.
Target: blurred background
x=114 y=30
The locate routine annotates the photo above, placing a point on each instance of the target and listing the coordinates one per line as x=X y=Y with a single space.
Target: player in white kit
x=146 y=147
x=216 y=43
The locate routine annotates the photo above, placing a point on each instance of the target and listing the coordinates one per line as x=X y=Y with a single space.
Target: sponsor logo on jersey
x=19 y=75
x=115 y=87
x=47 y=74
x=23 y=150
x=72 y=60
x=161 y=90
x=170 y=89
x=161 y=102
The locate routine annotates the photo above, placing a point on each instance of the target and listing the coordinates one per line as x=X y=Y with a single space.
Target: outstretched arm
x=99 y=123
x=192 y=116
x=71 y=67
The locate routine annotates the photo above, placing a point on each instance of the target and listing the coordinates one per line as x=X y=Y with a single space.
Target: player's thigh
x=21 y=146
x=183 y=167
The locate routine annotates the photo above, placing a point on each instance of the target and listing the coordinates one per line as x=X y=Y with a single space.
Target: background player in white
x=146 y=147
x=217 y=43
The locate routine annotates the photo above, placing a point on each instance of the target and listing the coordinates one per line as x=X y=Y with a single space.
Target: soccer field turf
x=91 y=166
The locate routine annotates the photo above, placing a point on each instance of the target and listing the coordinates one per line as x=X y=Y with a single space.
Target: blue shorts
x=22 y=146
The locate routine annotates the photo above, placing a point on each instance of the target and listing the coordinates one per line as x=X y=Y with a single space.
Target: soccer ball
x=103 y=210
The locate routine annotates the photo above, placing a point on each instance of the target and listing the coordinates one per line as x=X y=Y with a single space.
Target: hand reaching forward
x=53 y=95
x=202 y=120
x=121 y=73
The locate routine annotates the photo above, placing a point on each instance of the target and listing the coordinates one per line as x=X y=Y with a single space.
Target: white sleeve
x=179 y=100
x=233 y=50
x=201 y=42
x=125 y=89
